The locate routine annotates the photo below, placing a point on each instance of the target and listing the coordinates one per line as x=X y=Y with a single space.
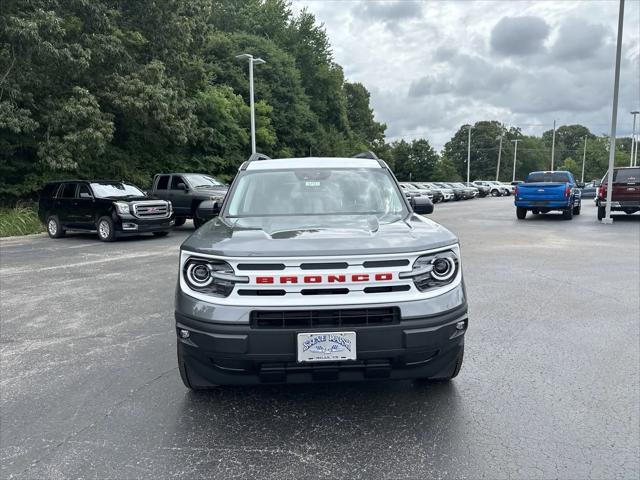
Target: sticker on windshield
x=312 y=184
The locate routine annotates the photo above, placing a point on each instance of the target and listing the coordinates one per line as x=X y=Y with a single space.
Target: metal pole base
x=607 y=221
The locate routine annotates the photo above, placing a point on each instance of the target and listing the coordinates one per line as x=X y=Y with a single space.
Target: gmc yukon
x=319 y=269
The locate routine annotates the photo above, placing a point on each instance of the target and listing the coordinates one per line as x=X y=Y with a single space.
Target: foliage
x=20 y=220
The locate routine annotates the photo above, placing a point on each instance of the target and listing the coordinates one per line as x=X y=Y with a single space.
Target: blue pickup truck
x=545 y=191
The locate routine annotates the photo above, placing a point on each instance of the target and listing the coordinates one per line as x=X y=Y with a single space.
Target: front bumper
x=241 y=354
x=130 y=225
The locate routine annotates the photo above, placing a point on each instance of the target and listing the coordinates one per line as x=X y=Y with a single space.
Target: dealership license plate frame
x=332 y=347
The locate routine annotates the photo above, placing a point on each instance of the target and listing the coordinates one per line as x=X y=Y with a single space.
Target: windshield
x=316 y=192
x=197 y=180
x=108 y=190
x=408 y=186
x=548 y=177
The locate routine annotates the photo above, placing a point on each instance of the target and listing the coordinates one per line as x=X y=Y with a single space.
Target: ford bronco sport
x=319 y=269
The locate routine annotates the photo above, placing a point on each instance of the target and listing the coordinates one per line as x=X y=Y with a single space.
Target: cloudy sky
x=432 y=66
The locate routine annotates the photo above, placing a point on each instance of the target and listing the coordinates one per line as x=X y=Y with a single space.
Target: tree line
x=125 y=89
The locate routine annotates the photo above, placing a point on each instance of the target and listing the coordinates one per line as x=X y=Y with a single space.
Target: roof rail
x=258 y=156
x=367 y=154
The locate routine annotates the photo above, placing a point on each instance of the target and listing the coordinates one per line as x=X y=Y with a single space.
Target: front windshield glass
x=302 y=192
x=111 y=189
x=197 y=180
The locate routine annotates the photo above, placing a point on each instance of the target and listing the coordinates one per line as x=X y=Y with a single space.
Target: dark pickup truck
x=545 y=191
x=625 y=192
x=186 y=191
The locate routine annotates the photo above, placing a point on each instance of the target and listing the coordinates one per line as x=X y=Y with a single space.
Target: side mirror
x=208 y=209
x=421 y=205
x=182 y=186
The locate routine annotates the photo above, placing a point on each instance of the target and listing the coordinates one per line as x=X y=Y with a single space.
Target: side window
x=68 y=191
x=175 y=180
x=163 y=182
x=84 y=192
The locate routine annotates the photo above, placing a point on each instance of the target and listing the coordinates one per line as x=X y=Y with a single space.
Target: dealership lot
x=550 y=385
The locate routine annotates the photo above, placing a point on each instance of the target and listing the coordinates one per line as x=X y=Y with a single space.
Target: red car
x=625 y=196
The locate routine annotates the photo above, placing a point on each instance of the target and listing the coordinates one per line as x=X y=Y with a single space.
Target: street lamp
x=469 y=154
x=515 y=155
x=499 y=155
x=584 y=156
x=634 y=141
x=252 y=62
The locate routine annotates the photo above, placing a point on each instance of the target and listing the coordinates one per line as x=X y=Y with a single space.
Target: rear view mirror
x=421 y=205
x=208 y=209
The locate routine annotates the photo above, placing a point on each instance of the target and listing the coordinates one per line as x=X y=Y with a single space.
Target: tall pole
x=469 y=155
x=584 y=157
x=253 y=112
x=499 y=155
x=634 y=141
x=515 y=156
x=614 y=116
x=553 y=145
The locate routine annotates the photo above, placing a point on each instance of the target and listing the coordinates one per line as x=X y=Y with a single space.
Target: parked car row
x=446 y=191
x=116 y=208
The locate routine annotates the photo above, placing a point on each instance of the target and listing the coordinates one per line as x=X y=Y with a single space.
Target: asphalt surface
x=549 y=388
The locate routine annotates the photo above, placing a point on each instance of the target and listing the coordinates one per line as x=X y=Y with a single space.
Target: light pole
x=515 y=156
x=469 y=155
x=584 y=156
x=553 y=145
x=634 y=141
x=499 y=155
x=614 y=116
x=252 y=62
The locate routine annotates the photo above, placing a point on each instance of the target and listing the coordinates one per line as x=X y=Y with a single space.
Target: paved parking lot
x=549 y=389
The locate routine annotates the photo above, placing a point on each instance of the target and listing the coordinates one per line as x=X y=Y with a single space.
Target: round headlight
x=198 y=274
x=443 y=268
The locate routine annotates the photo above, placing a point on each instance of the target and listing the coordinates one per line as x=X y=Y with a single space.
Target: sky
x=432 y=66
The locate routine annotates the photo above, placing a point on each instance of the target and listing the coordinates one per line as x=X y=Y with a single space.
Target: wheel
x=452 y=370
x=106 y=232
x=160 y=234
x=495 y=193
x=535 y=211
x=568 y=213
x=601 y=212
x=576 y=210
x=54 y=227
x=180 y=221
x=521 y=213
x=507 y=193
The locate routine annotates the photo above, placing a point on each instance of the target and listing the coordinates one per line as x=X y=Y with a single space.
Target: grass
x=20 y=220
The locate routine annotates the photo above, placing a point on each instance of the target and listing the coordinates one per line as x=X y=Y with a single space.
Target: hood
x=129 y=199
x=319 y=236
x=221 y=190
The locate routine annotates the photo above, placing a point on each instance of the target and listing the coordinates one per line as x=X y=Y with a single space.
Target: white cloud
x=433 y=66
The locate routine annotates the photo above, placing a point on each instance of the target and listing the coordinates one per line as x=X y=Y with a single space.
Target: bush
x=20 y=220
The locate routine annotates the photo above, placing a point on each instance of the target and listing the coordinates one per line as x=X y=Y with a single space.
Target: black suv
x=187 y=191
x=110 y=207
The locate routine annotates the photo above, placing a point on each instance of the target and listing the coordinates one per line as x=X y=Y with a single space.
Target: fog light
x=129 y=226
x=460 y=325
x=184 y=333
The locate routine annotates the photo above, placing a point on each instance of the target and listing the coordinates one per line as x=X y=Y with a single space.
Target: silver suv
x=319 y=269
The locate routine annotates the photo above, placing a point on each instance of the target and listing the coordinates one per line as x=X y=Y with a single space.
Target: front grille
x=150 y=210
x=357 y=317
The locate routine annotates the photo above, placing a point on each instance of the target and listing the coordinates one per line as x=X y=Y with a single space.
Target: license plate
x=326 y=346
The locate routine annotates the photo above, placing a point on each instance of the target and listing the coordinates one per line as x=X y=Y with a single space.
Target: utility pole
x=553 y=145
x=614 y=116
x=634 y=141
x=499 y=155
x=469 y=155
x=252 y=62
x=584 y=156
x=515 y=156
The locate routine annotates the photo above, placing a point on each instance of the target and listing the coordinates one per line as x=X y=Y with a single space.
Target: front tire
x=179 y=221
x=576 y=210
x=495 y=193
x=54 y=227
x=106 y=230
x=568 y=213
x=601 y=212
x=521 y=213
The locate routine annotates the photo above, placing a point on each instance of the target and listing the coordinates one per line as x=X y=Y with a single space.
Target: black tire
x=601 y=212
x=54 y=227
x=453 y=370
x=576 y=210
x=568 y=213
x=535 y=211
x=507 y=193
x=495 y=193
x=521 y=213
x=106 y=230
x=160 y=234
x=180 y=221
